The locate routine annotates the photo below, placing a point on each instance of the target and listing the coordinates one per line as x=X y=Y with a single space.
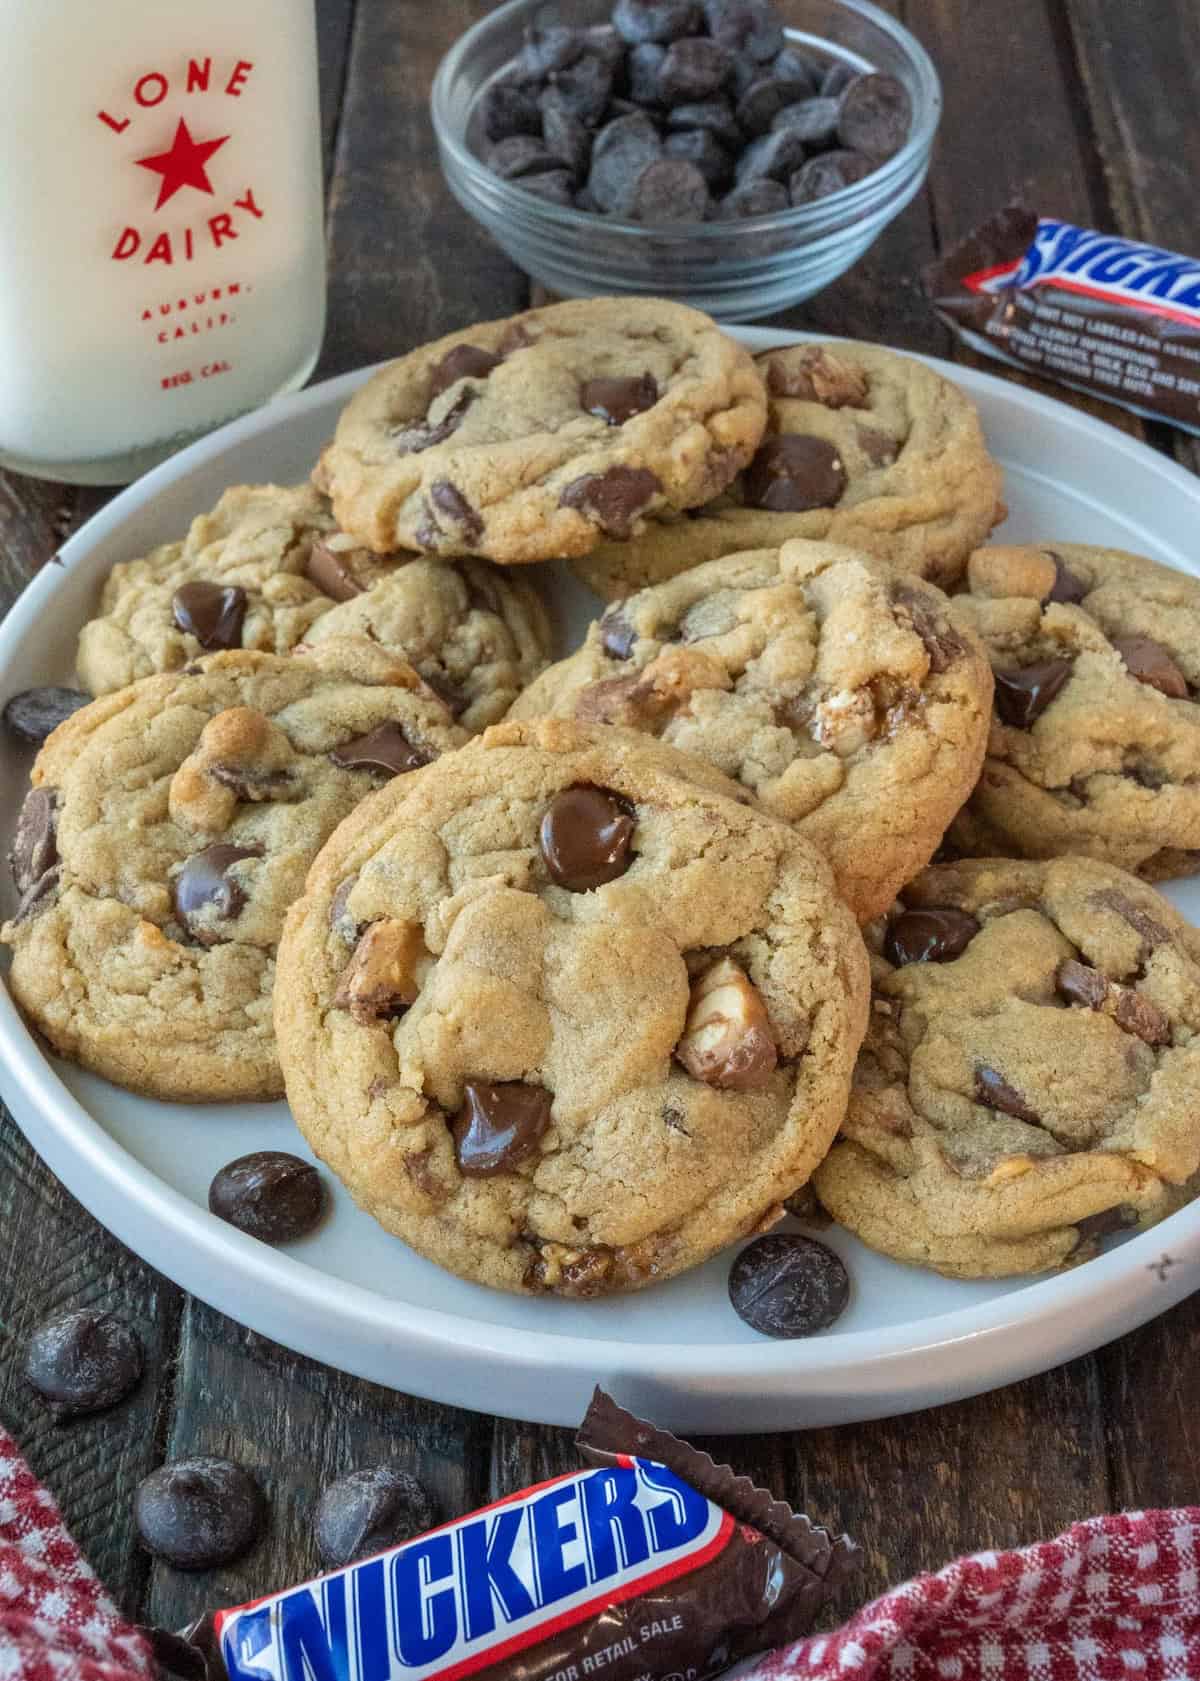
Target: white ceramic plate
x=357 y=1298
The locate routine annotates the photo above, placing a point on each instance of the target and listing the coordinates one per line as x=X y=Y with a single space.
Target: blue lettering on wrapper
x=678 y=1520
x=555 y=1578
x=486 y=1573
x=370 y=1621
x=426 y=1624
x=615 y=1530
x=254 y=1639
x=313 y=1647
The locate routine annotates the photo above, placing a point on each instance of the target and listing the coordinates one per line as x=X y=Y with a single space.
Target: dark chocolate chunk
x=330 y=570
x=993 y=1091
x=556 y=186
x=617 y=399
x=713 y=116
x=644 y=64
x=617 y=635
x=36 y=894
x=670 y=190
x=446 y=689
x=613 y=498
x=879 y=449
x=942 y=642
x=1128 y=1008
x=585 y=88
x=83 y=1362
x=200 y=1512
x=704 y=152
x=791 y=65
x=836 y=79
x=212 y=613
x=1151 y=664
x=498 y=1126
x=586 y=837
x=603 y=42
x=251 y=784
x=449 y=500
x=465 y=361
x=203 y=884
x=270 y=1195
x=829 y=173
x=1066 y=588
x=412 y=440
x=794 y=472
x=31 y=715
x=386 y=749
x=875 y=116
x=814 y=120
x=655 y=20
x=369 y=1511
x=564 y=133
x=756 y=198
x=1023 y=693
x=762 y=103
x=752 y=27
x=694 y=68
x=774 y=156
x=931 y=934
x=620 y=152
x=34 y=849
x=788 y=1286
x=520 y=154
x=506 y=109
x=549 y=48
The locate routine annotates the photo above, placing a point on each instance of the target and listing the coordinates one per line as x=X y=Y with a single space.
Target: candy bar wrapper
x=653 y=1563
x=1101 y=314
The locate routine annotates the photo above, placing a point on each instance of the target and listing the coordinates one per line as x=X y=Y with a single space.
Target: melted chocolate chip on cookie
x=1151 y=664
x=499 y=1126
x=204 y=885
x=465 y=361
x=793 y=473
x=617 y=400
x=614 y=498
x=934 y=934
x=212 y=613
x=386 y=750
x=1023 y=694
x=585 y=838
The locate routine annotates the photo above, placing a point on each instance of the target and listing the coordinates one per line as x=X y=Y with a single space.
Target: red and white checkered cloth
x=1113 y=1597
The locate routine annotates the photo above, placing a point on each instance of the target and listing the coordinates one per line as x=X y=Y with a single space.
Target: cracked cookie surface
x=864 y=447
x=268 y=570
x=1095 y=736
x=169 y=827
x=535 y=437
x=1031 y=1073
x=566 y=1013
x=839 y=694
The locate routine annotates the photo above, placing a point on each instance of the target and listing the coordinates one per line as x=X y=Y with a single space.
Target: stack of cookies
x=575 y=973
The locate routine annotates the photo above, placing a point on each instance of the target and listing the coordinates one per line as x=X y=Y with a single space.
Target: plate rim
x=1106 y=1285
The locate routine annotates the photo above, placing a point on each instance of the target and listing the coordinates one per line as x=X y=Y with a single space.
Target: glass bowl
x=734 y=270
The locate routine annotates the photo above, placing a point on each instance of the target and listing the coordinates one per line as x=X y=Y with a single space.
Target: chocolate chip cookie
x=838 y=693
x=536 y=437
x=567 y=1015
x=169 y=827
x=1095 y=739
x=269 y=570
x=1031 y=1074
x=863 y=446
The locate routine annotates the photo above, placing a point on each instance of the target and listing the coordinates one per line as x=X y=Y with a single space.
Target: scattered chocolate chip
x=200 y=1512
x=520 y=154
x=875 y=116
x=620 y=152
x=507 y=109
x=1066 y=588
x=585 y=87
x=645 y=62
x=760 y=106
x=879 y=449
x=836 y=79
x=710 y=116
x=1151 y=664
x=617 y=399
x=564 y=133
x=548 y=48
x=34 y=849
x=655 y=20
x=829 y=173
x=1024 y=693
x=788 y=1286
x=756 y=198
x=773 y=157
x=585 y=837
x=791 y=65
x=498 y=1126
x=203 y=885
x=386 y=749
x=450 y=501
x=932 y=934
x=212 y=613
x=746 y=26
x=613 y=498
x=34 y=713
x=270 y=1195
x=705 y=154
x=670 y=190
x=369 y=1511
x=795 y=472
x=694 y=68
x=330 y=570
x=464 y=361
x=994 y=1092
x=617 y=635
x=556 y=186
x=83 y=1362
x=814 y=120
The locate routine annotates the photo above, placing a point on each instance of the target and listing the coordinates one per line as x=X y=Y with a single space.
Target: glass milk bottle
x=161 y=254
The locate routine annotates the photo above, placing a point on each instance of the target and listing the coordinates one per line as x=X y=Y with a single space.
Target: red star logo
x=183 y=165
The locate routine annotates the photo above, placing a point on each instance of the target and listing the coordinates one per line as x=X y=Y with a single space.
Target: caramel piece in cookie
x=1095 y=739
x=1031 y=1073
x=864 y=447
x=841 y=696
x=566 y=1013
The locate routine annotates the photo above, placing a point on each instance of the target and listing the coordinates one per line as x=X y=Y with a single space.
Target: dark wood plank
x=1150 y=1418
x=335 y=21
x=407 y=264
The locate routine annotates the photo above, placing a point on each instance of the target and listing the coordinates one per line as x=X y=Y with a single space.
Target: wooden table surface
x=1086 y=108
